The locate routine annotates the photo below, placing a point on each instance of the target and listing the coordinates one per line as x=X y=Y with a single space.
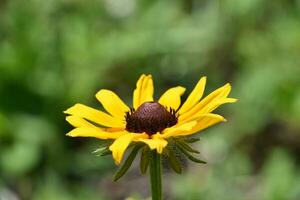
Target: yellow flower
x=148 y=121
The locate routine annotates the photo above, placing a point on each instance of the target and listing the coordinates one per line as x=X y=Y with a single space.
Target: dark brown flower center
x=150 y=117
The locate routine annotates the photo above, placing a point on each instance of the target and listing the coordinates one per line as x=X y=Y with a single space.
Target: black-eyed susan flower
x=155 y=124
x=156 y=127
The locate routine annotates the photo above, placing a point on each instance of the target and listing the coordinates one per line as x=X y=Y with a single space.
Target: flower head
x=150 y=118
x=149 y=122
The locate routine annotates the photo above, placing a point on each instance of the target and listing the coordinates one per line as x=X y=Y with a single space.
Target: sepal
x=128 y=162
x=191 y=140
x=180 y=142
x=103 y=150
x=145 y=159
x=189 y=156
x=174 y=161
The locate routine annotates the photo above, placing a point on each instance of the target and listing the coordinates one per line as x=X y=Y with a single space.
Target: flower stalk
x=155 y=176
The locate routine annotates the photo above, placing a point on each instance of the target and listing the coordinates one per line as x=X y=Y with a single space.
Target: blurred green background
x=56 y=53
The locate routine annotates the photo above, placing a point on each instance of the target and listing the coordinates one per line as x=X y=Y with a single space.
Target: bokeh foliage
x=56 y=53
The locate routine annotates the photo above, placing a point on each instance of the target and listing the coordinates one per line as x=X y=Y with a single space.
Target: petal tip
x=142 y=76
x=68 y=118
x=70 y=134
x=68 y=110
x=228 y=85
x=182 y=89
x=99 y=92
x=159 y=151
x=231 y=100
x=117 y=162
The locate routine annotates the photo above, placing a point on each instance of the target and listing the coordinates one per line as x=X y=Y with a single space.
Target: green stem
x=155 y=176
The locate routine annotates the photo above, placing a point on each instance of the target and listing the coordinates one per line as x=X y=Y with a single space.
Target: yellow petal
x=194 y=97
x=120 y=145
x=177 y=130
x=112 y=103
x=204 y=122
x=171 y=98
x=94 y=132
x=144 y=91
x=94 y=115
x=216 y=104
x=202 y=107
x=78 y=121
x=156 y=143
x=211 y=107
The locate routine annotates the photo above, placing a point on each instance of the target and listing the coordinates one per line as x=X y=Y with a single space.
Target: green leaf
x=145 y=158
x=105 y=152
x=102 y=151
x=191 y=140
x=186 y=146
x=174 y=162
x=189 y=156
x=123 y=169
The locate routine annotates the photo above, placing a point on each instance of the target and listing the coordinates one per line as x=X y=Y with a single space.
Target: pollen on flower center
x=150 y=117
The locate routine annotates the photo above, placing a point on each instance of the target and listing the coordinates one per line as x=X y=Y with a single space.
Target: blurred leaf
x=32 y=129
x=3 y=125
x=278 y=176
x=19 y=158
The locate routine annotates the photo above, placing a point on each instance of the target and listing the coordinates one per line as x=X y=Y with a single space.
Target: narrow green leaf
x=174 y=162
x=106 y=152
x=191 y=140
x=145 y=158
x=99 y=150
x=189 y=156
x=102 y=151
x=186 y=146
x=123 y=169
